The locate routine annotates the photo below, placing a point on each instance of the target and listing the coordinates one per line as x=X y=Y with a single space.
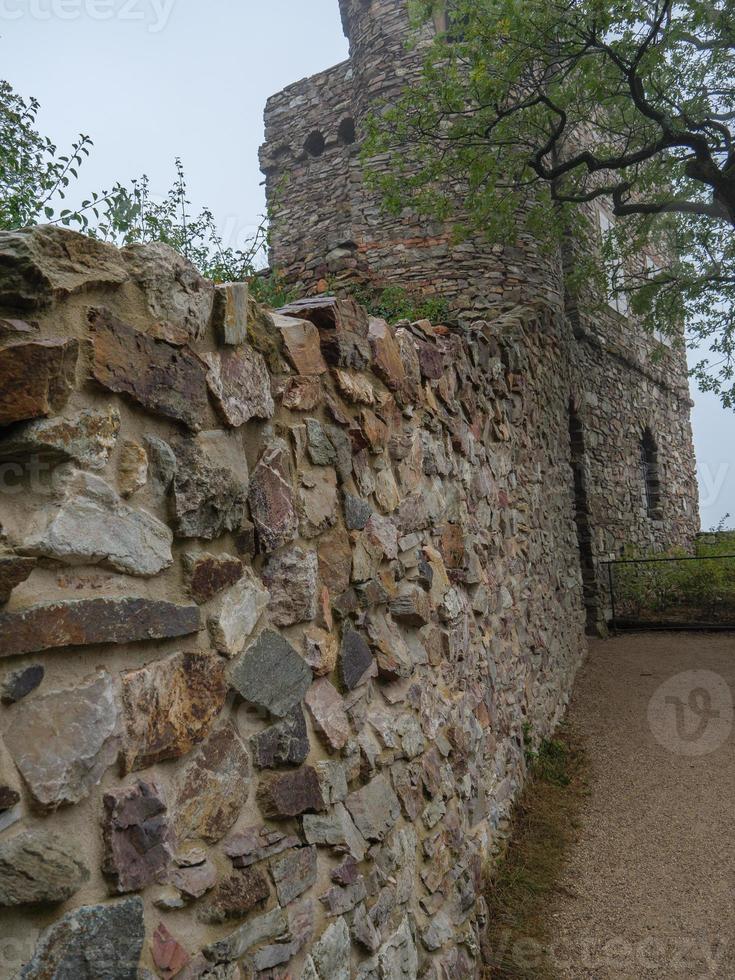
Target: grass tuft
x=545 y=821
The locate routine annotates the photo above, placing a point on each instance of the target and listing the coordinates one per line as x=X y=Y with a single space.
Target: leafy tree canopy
x=36 y=180
x=542 y=107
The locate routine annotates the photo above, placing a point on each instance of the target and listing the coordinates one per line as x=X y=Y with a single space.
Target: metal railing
x=672 y=593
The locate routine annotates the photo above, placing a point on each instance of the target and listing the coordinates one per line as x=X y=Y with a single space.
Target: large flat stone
x=208 y=500
x=45 y=262
x=234 y=622
x=301 y=342
x=39 y=868
x=271 y=498
x=293 y=873
x=330 y=956
x=82 y=622
x=213 y=788
x=327 y=709
x=97 y=942
x=63 y=742
x=165 y=379
x=374 y=808
x=178 y=296
x=337 y=830
x=136 y=837
x=87 y=437
x=290 y=794
x=92 y=525
x=271 y=675
x=257 y=930
x=36 y=378
x=170 y=706
x=328 y=313
x=240 y=385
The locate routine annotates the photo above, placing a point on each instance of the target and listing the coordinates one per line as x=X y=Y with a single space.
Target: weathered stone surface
x=193 y=881
x=321 y=450
x=168 y=954
x=271 y=498
x=283 y=744
x=36 y=378
x=294 y=873
x=213 y=788
x=330 y=956
x=336 y=830
x=392 y=655
x=236 y=896
x=412 y=606
x=136 y=837
x=240 y=385
x=291 y=577
x=340 y=900
x=398 y=957
x=330 y=313
x=241 y=608
x=208 y=500
x=170 y=706
x=97 y=942
x=320 y=651
x=164 y=379
x=284 y=795
x=38 y=868
x=91 y=525
x=256 y=930
x=256 y=844
x=9 y=798
x=357 y=512
x=132 y=468
x=63 y=742
x=16 y=330
x=81 y=622
x=178 y=297
x=14 y=570
x=327 y=711
x=374 y=808
x=46 y=262
x=387 y=361
x=355 y=387
x=302 y=394
x=87 y=437
x=20 y=683
x=335 y=560
x=161 y=463
x=318 y=501
x=356 y=658
x=272 y=675
x=301 y=343
x=230 y=313
x=209 y=575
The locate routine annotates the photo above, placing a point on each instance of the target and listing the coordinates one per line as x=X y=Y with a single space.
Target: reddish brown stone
x=302 y=394
x=335 y=560
x=271 y=498
x=375 y=432
x=387 y=361
x=136 y=837
x=451 y=545
x=165 y=379
x=210 y=574
x=327 y=710
x=284 y=795
x=431 y=361
x=236 y=896
x=301 y=341
x=170 y=706
x=36 y=378
x=169 y=955
x=13 y=571
x=81 y=622
x=214 y=788
x=257 y=843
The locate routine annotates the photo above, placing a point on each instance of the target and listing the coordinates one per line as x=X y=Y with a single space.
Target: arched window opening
x=315 y=144
x=346 y=132
x=651 y=485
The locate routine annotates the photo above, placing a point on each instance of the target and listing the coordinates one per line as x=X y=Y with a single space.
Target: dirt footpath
x=649 y=890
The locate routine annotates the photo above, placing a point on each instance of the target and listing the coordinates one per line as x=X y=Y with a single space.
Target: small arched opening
x=346 y=131
x=315 y=144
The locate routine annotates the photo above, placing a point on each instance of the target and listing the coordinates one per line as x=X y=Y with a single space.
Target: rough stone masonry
x=281 y=592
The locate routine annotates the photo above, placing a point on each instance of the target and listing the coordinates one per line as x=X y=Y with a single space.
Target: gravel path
x=649 y=891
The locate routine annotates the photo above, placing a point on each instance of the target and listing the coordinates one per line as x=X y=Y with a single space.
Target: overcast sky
x=150 y=80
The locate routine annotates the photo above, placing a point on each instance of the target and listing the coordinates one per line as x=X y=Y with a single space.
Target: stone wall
x=281 y=593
